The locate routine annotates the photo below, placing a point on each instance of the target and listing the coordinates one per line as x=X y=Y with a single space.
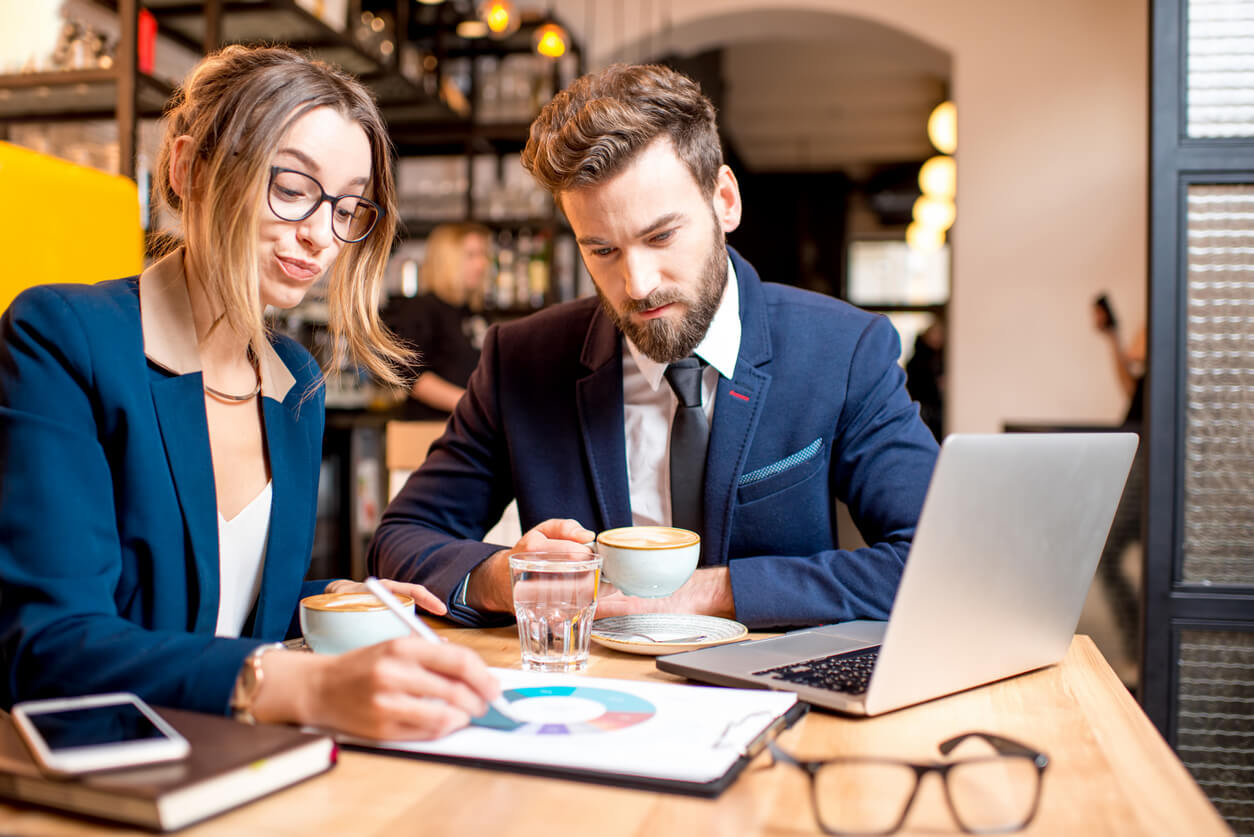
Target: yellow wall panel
x=64 y=223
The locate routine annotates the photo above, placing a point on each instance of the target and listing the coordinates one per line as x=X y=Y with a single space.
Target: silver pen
x=420 y=628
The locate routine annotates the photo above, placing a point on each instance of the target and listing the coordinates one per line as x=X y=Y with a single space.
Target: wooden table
x=1110 y=772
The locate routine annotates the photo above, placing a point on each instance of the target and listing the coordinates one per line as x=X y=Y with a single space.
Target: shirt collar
x=165 y=313
x=721 y=345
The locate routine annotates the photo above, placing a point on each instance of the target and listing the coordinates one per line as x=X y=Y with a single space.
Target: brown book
x=230 y=764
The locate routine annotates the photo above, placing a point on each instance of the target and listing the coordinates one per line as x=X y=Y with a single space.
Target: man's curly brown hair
x=591 y=130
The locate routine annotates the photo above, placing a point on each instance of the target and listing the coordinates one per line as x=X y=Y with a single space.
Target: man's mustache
x=653 y=300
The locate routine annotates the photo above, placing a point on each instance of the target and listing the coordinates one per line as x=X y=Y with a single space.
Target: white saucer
x=664 y=629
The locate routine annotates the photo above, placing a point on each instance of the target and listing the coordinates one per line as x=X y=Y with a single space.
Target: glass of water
x=555 y=600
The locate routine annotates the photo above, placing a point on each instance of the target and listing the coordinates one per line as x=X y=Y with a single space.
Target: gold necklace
x=226 y=397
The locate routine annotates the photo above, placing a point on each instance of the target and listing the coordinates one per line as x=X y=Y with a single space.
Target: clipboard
x=667 y=737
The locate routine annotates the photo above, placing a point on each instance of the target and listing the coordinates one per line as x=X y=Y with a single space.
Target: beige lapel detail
x=165 y=312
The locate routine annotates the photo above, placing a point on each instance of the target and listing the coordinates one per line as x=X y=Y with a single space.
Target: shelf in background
x=283 y=21
x=421 y=123
x=414 y=136
x=73 y=95
x=257 y=21
x=519 y=42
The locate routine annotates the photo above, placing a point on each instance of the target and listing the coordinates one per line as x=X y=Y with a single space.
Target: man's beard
x=662 y=339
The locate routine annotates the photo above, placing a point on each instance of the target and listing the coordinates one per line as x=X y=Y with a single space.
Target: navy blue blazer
x=108 y=512
x=817 y=410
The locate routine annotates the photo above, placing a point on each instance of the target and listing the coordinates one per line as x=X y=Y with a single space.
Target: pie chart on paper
x=569 y=710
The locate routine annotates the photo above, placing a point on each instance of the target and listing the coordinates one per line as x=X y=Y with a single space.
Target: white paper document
x=664 y=731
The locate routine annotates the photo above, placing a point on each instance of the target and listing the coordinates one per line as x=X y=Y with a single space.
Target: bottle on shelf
x=375 y=33
x=522 y=289
x=538 y=268
x=489 y=105
x=431 y=188
x=563 y=267
x=409 y=278
x=505 y=270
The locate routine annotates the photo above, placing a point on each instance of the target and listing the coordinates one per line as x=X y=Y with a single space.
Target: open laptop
x=1003 y=556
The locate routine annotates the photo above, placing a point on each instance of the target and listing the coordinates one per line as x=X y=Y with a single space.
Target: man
x=570 y=411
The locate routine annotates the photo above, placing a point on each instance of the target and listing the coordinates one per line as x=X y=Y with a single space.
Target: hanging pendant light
x=937 y=213
x=924 y=239
x=938 y=178
x=550 y=40
x=942 y=127
x=501 y=16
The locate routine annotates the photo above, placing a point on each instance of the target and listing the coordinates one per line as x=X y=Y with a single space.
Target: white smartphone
x=96 y=732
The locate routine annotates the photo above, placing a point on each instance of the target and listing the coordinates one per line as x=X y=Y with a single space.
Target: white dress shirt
x=649 y=406
x=241 y=557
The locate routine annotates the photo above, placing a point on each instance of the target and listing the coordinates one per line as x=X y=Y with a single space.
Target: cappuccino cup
x=333 y=623
x=648 y=561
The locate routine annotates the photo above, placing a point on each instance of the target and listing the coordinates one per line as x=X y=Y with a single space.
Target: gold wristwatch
x=248 y=683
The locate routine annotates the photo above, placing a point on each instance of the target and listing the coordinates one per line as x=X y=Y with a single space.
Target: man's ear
x=726 y=199
x=181 y=156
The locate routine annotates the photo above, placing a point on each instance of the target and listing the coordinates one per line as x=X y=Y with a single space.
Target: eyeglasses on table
x=866 y=795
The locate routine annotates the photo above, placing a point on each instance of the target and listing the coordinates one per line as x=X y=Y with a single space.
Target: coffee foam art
x=648 y=537
x=348 y=602
x=353 y=601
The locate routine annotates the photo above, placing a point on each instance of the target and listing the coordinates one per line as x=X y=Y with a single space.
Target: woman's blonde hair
x=236 y=106
x=443 y=265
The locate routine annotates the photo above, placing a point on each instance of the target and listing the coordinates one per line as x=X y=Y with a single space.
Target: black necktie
x=690 y=433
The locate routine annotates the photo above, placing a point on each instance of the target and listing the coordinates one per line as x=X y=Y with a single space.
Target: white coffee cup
x=333 y=623
x=648 y=561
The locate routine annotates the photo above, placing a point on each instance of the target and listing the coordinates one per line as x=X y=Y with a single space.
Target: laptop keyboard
x=849 y=673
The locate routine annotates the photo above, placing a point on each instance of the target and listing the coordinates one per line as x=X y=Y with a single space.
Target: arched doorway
x=824 y=119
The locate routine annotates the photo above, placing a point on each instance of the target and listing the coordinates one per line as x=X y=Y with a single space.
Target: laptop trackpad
x=800 y=645
x=863 y=630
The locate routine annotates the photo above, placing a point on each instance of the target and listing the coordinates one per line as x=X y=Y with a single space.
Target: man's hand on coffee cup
x=489 y=585
x=707 y=592
x=422 y=597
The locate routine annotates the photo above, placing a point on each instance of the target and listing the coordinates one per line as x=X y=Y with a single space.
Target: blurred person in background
x=443 y=323
x=1125 y=530
x=925 y=377
x=1129 y=362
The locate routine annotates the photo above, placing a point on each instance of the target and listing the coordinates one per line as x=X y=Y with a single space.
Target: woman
x=161 y=448
x=440 y=322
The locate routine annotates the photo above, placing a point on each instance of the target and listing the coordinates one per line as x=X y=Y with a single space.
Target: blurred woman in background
x=442 y=323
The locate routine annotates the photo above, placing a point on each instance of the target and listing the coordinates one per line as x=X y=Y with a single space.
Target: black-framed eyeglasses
x=987 y=794
x=294 y=196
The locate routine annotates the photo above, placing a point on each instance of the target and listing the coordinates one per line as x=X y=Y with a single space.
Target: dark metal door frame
x=1176 y=162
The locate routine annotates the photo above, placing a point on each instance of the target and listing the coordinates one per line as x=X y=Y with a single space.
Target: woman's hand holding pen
x=404 y=688
x=407 y=688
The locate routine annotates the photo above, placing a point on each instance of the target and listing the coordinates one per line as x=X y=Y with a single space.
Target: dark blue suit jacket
x=108 y=514
x=817 y=410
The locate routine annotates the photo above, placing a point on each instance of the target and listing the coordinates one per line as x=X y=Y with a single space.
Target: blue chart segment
x=569 y=710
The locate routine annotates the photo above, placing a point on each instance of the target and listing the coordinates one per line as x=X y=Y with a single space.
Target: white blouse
x=241 y=558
